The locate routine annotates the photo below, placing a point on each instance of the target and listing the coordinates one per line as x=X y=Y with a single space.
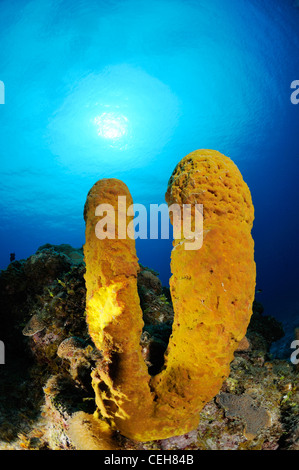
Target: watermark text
x=295 y=354
x=2 y=353
x=187 y=222
x=2 y=93
x=295 y=94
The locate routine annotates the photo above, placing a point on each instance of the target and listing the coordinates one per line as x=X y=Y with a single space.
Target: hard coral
x=243 y=406
x=34 y=325
x=79 y=354
x=212 y=291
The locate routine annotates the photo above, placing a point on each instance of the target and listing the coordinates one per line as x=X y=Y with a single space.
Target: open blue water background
x=126 y=89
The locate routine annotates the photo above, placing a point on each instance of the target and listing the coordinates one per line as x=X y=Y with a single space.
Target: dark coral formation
x=244 y=407
x=45 y=381
x=263 y=330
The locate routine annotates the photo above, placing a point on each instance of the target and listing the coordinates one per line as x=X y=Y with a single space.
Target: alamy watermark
x=295 y=355
x=2 y=93
x=2 y=353
x=187 y=222
x=295 y=95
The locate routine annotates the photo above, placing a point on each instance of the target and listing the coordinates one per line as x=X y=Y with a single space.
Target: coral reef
x=46 y=396
x=212 y=291
x=243 y=406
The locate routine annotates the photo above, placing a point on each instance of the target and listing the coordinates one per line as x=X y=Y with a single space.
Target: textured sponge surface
x=212 y=290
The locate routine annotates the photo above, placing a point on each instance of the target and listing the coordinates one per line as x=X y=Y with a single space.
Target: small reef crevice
x=156 y=305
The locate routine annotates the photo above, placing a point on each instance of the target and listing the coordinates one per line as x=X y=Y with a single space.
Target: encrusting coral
x=212 y=291
x=243 y=406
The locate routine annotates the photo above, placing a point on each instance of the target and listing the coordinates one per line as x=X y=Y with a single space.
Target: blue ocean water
x=126 y=89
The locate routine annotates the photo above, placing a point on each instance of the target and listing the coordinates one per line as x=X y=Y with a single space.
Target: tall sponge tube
x=212 y=290
x=114 y=316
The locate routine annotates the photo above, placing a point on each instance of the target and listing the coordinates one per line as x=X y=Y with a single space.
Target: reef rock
x=47 y=400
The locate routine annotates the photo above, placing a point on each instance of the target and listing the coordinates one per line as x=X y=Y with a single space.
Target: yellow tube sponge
x=113 y=311
x=212 y=290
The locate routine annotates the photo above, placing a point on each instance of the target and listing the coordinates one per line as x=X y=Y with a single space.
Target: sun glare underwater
x=126 y=89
